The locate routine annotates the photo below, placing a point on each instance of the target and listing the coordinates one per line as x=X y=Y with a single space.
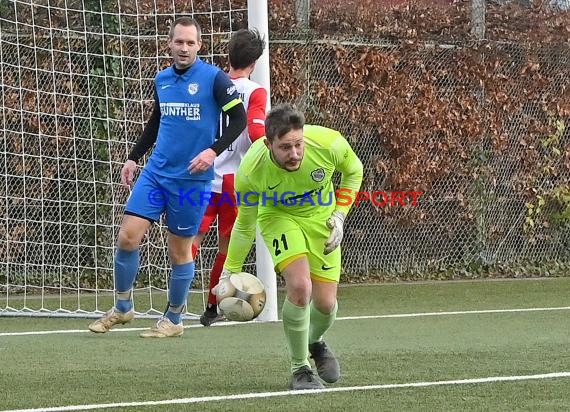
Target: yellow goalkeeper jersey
x=308 y=192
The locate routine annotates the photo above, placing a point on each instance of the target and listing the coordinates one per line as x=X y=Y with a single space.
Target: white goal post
x=257 y=18
x=76 y=82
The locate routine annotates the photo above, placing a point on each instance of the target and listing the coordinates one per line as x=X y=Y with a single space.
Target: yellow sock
x=320 y=322
x=296 y=327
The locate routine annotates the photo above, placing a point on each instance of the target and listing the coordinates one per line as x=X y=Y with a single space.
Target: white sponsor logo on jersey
x=191 y=111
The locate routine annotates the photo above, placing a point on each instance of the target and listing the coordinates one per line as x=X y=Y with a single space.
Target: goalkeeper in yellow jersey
x=284 y=185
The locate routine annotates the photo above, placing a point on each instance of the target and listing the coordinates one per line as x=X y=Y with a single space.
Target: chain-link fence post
x=302 y=11
x=478 y=19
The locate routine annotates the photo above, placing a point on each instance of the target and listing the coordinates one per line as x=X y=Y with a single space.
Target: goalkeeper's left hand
x=335 y=224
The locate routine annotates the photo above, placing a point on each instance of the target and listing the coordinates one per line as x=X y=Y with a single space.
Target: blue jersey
x=190 y=108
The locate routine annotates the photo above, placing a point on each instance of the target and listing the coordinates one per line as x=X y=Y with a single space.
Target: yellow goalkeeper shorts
x=286 y=236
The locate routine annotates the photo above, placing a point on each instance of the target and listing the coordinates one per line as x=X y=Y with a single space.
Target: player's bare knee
x=324 y=295
x=128 y=239
x=180 y=249
x=131 y=232
x=299 y=291
x=298 y=299
x=180 y=255
x=325 y=304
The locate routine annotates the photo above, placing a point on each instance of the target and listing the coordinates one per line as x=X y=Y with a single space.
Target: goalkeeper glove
x=335 y=224
x=223 y=276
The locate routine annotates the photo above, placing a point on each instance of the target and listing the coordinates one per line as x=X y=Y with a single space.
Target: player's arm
x=145 y=142
x=229 y=101
x=149 y=134
x=243 y=233
x=350 y=167
x=256 y=113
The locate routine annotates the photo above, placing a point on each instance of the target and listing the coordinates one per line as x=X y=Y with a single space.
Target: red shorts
x=224 y=209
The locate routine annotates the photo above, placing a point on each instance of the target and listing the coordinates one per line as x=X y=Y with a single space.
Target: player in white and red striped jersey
x=244 y=49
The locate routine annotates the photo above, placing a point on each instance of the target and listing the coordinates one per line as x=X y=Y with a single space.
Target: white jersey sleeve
x=228 y=161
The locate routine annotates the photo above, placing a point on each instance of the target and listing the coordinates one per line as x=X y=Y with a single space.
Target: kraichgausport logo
x=342 y=197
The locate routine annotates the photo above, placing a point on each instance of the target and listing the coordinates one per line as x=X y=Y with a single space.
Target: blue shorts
x=182 y=201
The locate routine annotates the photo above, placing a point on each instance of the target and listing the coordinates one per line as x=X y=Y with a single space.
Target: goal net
x=76 y=90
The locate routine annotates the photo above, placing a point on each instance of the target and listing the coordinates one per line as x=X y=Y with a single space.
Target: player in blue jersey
x=189 y=98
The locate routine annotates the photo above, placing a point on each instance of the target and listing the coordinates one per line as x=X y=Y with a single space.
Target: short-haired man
x=287 y=178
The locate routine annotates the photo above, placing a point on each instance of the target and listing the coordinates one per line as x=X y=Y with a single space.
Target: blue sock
x=126 y=268
x=180 y=281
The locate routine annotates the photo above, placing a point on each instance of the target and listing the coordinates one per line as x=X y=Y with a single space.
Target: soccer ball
x=241 y=297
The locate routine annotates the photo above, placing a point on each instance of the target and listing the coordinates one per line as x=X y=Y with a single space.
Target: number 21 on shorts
x=280 y=243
